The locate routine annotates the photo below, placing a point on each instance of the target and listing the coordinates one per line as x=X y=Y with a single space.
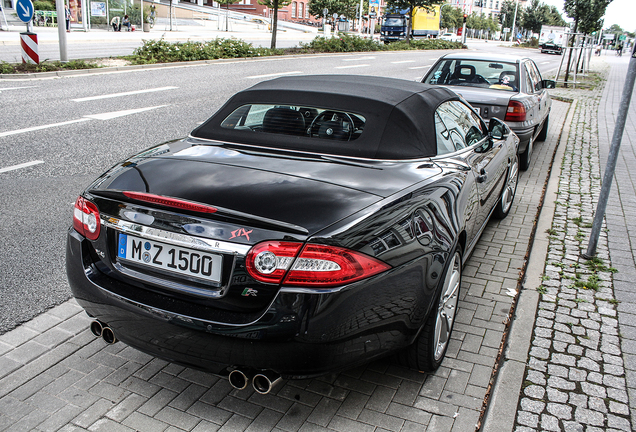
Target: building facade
x=486 y=7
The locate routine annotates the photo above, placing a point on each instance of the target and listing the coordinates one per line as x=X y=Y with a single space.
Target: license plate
x=185 y=262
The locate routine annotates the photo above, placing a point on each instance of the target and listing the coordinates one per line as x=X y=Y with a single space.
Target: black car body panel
x=219 y=200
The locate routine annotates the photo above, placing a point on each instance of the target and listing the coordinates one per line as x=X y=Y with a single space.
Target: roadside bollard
x=29 y=47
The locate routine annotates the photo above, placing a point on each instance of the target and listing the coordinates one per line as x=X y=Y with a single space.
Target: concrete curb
x=502 y=408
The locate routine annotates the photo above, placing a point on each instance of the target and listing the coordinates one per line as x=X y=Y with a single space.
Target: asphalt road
x=70 y=130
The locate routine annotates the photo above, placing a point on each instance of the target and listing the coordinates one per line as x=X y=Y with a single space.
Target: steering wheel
x=330 y=125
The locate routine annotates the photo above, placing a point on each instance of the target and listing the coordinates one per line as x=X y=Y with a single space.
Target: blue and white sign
x=24 y=9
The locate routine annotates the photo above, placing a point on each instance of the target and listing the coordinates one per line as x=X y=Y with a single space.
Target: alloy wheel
x=447 y=307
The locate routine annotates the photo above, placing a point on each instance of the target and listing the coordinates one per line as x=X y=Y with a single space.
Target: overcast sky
x=621 y=12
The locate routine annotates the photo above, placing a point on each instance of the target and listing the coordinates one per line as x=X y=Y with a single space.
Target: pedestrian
x=116 y=24
x=126 y=22
x=67 y=17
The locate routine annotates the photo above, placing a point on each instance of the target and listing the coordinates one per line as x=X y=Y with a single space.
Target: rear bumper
x=524 y=135
x=299 y=335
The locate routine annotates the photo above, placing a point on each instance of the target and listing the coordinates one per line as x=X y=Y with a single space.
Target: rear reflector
x=516 y=112
x=86 y=218
x=170 y=202
x=317 y=266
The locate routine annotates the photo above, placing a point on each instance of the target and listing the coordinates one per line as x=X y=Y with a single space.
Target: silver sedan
x=503 y=86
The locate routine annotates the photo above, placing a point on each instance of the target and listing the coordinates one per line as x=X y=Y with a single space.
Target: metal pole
x=360 y=25
x=613 y=156
x=514 y=20
x=61 y=29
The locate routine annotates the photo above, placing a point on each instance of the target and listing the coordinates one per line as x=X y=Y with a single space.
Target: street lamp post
x=514 y=21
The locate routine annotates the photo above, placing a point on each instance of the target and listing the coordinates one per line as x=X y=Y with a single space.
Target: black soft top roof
x=399 y=114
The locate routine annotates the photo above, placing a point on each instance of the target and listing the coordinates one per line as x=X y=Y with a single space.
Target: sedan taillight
x=516 y=112
x=316 y=266
x=86 y=218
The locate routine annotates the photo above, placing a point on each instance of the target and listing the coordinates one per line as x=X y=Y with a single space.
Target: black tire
x=507 y=196
x=427 y=352
x=544 y=130
x=526 y=157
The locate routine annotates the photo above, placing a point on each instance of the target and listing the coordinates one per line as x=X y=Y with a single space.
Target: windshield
x=475 y=73
x=394 y=22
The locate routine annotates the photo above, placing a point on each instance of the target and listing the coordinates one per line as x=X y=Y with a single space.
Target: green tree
x=348 y=8
x=507 y=13
x=274 y=5
x=555 y=18
x=534 y=16
x=452 y=17
x=410 y=5
x=587 y=14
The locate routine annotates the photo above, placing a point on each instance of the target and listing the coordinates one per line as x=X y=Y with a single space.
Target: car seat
x=462 y=74
x=284 y=121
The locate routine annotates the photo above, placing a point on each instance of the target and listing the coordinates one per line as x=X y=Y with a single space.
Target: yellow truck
x=423 y=24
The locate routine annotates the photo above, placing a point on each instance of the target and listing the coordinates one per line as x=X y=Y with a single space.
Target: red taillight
x=516 y=112
x=317 y=266
x=269 y=261
x=170 y=202
x=86 y=218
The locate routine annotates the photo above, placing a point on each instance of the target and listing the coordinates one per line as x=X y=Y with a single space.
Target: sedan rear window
x=475 y=73
x=296 y=121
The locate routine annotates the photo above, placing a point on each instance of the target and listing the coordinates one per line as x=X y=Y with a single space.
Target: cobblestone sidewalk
x=575 y=376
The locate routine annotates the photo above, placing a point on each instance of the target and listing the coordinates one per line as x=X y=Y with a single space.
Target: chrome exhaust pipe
x=265 y=381
x=240 y=379
x=108 y=335
x=97 y=328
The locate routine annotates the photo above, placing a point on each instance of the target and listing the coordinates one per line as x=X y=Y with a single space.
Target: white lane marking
x=122 y=94
x=20 y=166
x=358 y=58
x=420 y=67
x=546 y=62
x=352 y=66
x=104 y=116
x=403 y=61
x=273 y=75
x=115 y=114
x=35 y=128
x=15 y=88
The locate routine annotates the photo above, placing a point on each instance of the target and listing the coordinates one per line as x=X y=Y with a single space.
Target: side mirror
x=497 y=129
x=548 y=84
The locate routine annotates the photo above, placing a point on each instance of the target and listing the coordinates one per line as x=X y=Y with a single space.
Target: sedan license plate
x=186 y=262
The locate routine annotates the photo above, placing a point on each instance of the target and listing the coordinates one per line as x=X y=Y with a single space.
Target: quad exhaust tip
x=102 y=330
x=263 y=382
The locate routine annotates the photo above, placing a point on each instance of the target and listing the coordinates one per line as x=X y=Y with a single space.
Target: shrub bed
x=161 y=51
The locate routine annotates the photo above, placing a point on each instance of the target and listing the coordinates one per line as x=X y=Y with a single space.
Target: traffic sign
x=24 y=9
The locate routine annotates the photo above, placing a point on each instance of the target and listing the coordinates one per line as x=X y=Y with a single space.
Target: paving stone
x=534 y=391
x=586 y=416
x=527 y=419
x=560 y=411
x=532 y=405
x=555 y=395
x=549 y=423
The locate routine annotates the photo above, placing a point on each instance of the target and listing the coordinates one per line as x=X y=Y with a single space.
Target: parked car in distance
x=451 y=37
x=500 y=86
x=312 y=224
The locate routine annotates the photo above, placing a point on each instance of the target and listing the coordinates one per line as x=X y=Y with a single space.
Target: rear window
x=475 y=73
x=297 y=121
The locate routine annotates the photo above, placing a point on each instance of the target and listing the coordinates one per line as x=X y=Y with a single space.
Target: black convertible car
x=313 y=223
